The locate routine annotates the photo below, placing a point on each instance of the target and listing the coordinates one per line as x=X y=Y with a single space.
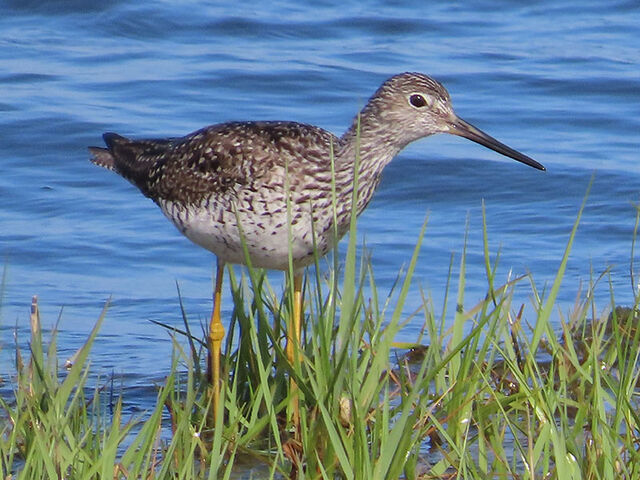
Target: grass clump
x=488 y=397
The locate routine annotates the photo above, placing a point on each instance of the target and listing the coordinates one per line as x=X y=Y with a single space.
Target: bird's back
x=214 y=159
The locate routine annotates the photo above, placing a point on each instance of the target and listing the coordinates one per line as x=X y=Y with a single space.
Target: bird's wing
x=234 y=155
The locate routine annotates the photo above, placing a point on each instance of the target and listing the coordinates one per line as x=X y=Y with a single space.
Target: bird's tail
x=132 y=159
x=104 y=157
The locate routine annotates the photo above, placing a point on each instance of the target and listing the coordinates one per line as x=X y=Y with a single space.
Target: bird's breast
x=266 y=225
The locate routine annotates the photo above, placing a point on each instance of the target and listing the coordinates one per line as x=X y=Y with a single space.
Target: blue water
x=556 y=80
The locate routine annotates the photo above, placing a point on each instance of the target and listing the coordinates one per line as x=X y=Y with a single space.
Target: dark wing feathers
x=211 y=160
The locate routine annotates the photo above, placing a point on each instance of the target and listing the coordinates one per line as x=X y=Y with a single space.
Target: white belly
x=269 y=237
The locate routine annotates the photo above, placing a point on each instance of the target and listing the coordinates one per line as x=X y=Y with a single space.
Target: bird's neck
x=370 y=146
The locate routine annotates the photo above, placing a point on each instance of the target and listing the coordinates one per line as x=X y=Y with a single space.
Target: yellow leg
x=216 y=334
x=293 y=344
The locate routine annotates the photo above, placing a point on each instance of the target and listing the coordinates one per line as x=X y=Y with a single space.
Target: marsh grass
x=493 y=394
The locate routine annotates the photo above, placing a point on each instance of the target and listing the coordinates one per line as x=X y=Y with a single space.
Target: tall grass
x=488 y=397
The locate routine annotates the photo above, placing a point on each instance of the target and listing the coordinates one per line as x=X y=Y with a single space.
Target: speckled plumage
x=229 y=182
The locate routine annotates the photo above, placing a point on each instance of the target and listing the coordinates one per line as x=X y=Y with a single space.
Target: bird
x=264 y=192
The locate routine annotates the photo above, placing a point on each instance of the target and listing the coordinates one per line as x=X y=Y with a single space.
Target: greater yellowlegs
x=267 y=186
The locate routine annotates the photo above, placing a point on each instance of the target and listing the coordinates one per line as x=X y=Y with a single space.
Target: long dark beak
x=459 y=127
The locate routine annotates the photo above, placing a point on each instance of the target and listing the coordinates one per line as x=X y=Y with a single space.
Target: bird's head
x=411 y=106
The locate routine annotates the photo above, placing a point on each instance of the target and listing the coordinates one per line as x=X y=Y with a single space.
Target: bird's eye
x=417 y=100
